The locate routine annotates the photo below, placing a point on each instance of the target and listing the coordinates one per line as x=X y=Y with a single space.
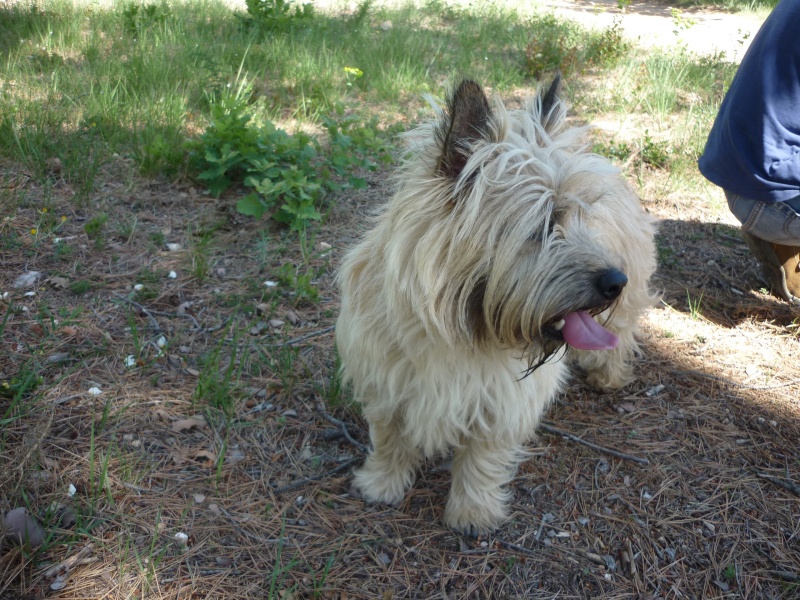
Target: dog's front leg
x=390 y=468
x=478 y=497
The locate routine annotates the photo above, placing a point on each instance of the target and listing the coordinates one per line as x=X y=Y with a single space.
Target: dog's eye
x=540 y=234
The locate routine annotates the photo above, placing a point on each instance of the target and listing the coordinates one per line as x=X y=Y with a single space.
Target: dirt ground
x=691 y=489
x=654 y=24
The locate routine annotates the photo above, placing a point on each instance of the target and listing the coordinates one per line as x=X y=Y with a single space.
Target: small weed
x=278 y=15
x=653 y=153
x=199 y=255
x=666 y=256
x=680 y=21
x=300 y=283
x=695 y=305
x=560 y=46
x=94 y=226
x=80 y=287
x=136 y=18
x=620 y=151
x=217 y=382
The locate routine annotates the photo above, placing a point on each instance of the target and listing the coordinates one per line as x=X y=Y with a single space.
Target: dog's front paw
x=379 y=487
x=474 y=519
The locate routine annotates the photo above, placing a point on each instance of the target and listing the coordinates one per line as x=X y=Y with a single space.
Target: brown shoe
x=780 y=266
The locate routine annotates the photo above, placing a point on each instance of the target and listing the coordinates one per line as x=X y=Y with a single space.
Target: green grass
x=141 y=83
x=89 y=82
x=731 y=5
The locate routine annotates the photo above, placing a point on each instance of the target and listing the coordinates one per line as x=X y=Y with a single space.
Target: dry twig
x=787 y=485
x=574 y=438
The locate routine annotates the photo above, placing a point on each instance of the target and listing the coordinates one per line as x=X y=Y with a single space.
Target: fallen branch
x=736 y=384
x=343 y=428
x=153 y=320
x=306 y=480
x=83 y=556
x=577 y=440
x=590 y=556
x=787 y=485
x=303 y=338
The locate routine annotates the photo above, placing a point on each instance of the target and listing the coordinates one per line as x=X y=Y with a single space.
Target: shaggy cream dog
x=507 y=254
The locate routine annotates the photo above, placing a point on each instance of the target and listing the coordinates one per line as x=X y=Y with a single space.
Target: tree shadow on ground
x=708 y=267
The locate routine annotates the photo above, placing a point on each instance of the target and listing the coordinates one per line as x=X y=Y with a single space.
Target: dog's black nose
x=610 y=283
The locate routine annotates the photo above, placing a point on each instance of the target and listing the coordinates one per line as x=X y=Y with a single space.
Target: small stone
x=23 y=529
x=275 y=323
x=27 y=279
x=54 y=165
x=292 y=317
x=289 y=413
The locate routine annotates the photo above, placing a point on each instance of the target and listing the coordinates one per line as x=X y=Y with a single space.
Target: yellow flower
x=44 y=210
x=63 y=218
x=33 y=231
x=353 y=71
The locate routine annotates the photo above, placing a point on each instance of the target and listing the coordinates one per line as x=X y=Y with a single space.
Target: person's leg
x=772 y=232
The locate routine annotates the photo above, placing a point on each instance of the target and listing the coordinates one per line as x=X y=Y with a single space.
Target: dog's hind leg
x=478 y=497
x=390 y=468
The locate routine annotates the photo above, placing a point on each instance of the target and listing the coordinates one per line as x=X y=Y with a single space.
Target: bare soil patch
x=655 y=24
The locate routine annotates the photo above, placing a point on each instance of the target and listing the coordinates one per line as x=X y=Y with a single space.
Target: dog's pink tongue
x=581 y=331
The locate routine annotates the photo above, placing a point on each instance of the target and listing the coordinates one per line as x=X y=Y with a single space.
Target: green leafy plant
x=288 y=174
x=301 y=283
x=138 y=17
x=278 y=15
x=94 y=226
x=654 y=153
x=561 y=46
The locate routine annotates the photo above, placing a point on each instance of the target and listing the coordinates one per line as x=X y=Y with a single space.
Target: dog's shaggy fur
x=464 y=307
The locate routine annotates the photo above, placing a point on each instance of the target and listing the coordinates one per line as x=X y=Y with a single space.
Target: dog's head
x=520 y=235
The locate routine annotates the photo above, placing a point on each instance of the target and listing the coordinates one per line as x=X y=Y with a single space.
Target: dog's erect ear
x=466 y=123
x=549 y=101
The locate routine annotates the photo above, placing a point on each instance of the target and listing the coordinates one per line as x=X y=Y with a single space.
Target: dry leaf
x=179 y=455
x=205 y=458
x=181 y=425
x=58 y=282
x=69 y=330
